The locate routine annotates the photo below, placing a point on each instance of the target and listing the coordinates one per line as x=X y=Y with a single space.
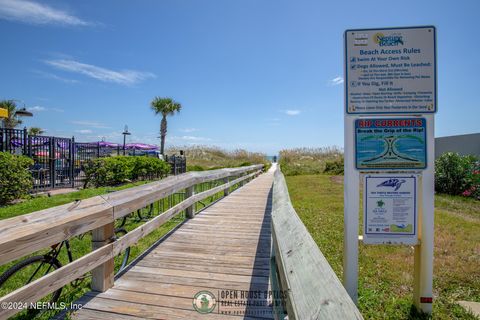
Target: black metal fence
x=60 y=162
x=178 y=164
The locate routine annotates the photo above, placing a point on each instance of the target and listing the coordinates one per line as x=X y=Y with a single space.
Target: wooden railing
x=300 y=271
x=25 y=234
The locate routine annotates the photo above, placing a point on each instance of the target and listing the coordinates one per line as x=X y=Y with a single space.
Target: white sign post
x=390 y=101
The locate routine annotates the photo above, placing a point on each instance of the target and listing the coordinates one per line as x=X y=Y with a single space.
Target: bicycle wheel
x=27 y=271
x=122 y=259
x=122 y=222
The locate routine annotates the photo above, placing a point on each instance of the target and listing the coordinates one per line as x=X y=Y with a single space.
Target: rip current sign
x=390 y=143
x=390 y=209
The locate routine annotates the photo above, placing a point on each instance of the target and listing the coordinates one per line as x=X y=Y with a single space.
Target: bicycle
x=35 y=267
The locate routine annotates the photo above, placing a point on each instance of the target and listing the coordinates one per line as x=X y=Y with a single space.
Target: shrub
x=112 y=171
x=148 y=168
x=455 y=174
x=334 y=167
x=15 y=178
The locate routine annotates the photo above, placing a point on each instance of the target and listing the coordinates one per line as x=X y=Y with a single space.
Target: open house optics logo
x=204 y=301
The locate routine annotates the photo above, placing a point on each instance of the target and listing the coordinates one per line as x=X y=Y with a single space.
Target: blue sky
x=261 y=75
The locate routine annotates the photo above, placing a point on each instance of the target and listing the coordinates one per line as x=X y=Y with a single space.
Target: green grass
x=82 y=246
x=386 y=272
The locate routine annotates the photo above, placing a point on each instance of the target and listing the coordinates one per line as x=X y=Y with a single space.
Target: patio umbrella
x=103 y=144
x=141 y=146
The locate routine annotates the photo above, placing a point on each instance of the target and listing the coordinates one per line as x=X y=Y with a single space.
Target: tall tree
x=35 y=131
x=12 y=121
x=165 y=107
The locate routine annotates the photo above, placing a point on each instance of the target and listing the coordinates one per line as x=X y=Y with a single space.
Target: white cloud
x=292 y=112
x=273 y=121
x=37 y=109
x=48 y=75
x=194 y=138
x=190 y=138
x=124 y=77
x=188 y=130
x=336 y=81
x=84 y=131
x=92 y=124
x=35 y=13
x=41 y=109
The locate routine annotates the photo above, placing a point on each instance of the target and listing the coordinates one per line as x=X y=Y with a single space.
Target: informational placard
x=390 y=209
x=390 y=143
x=391 y=70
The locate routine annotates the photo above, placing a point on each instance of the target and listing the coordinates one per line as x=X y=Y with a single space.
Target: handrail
x=23 y=235
x=311 y=287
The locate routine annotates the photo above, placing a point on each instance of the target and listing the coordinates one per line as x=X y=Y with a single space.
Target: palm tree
x=165 y=107
x=35 y=131
x=12 y=121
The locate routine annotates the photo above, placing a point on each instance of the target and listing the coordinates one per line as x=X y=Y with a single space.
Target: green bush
x=334 y=167
x=112 y=171
x=15 y=178
x=455 y=174
x=148 y=168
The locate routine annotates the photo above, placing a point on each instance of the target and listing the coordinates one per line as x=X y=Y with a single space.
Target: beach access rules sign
x=391 y=70
x=390 y=143
x=390 y=209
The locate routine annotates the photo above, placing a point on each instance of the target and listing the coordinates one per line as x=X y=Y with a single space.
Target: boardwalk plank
x=226 y=247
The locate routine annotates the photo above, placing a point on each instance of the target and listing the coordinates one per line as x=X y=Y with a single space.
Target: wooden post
x=226 y=192
x=190 y=210
x=102 y=276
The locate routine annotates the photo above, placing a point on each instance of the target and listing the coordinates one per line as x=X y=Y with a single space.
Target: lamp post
x=125 y=134
x=23 y=113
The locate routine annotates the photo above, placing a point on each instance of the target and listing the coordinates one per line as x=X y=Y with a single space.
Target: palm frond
x=165 y=106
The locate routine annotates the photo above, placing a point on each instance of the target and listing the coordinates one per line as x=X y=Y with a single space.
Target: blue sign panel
x=390 y=143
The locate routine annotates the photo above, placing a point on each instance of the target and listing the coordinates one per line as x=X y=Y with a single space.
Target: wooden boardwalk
x=225 y=250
